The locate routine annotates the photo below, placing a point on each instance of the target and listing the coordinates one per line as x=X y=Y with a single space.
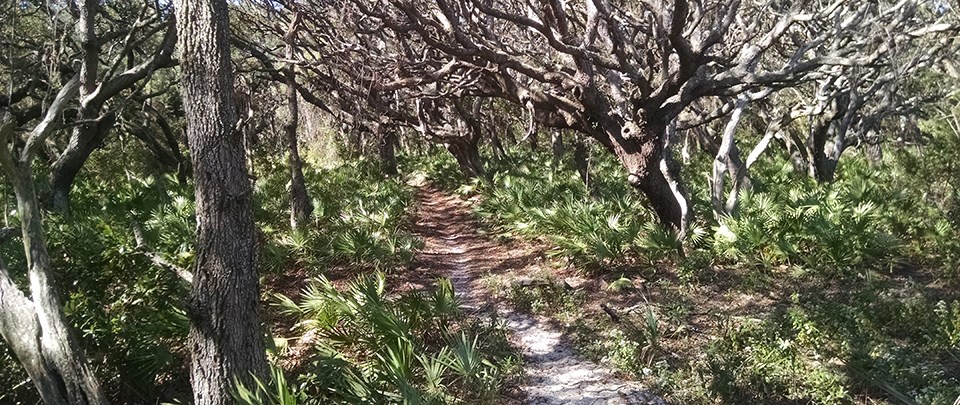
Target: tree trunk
x=89 y=135
x=670 y=171
x=467 y=154
x=300 y=206
x=872 y=149
x=728 y=162
x=387 y=150
x=511 y=134
x=94 y=93
x=641 y=142
x=184 y=171
x=34 y=327
x=581 y=159
x=827 y=138
x=84 y=140
x=640 y=149
x=556 y=141
x=497 y=144
x=226 y=335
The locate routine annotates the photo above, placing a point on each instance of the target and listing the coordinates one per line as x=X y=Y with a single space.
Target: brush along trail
x=555 y=373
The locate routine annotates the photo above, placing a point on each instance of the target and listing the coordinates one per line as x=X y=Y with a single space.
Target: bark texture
x=727 y=161
x=226 y=338
x=34 y=325
x=556 y=141
x=581 y=159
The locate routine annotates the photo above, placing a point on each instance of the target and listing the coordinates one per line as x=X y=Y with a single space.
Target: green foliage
x=127 y=309
x=415 y=348
x=755 y=364
x=274 y=391
x=437 y=165
x=823 y=345
x=549 y=297
x=601 y=228
x=360 y=218
x=791 y=221
x=632 y=345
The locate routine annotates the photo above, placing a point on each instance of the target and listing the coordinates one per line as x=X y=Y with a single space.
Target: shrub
x=415 y=348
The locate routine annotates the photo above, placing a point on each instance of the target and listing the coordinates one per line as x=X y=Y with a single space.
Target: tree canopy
x=164 y=161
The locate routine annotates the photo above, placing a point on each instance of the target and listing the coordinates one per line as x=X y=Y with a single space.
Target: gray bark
x=727 y=161
x=34 y=326
x=556 y=141
x=387 y=149
x=581 y=159
x=226 y=334
x=95 y=90
x=300 y=206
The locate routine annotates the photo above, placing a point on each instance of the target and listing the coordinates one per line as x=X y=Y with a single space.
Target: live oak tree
x=366 y=111
x=620 y=72
x=47 y=92
x=33 y=324
x=226 y=337
x=119 y=45
x=843 y=106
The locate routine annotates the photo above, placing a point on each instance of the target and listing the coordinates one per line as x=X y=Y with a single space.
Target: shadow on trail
x=555 y=373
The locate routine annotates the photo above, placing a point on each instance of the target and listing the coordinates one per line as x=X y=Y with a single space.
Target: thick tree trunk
x=466 y=146
x=640 y=149
x=468 y=158
x=226 y=335
x=35 y=327
x=641 y=142
x=300 y=206
x=822 y=165
x=828 y=137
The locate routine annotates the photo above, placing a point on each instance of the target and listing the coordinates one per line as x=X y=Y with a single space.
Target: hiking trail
x=555 y=374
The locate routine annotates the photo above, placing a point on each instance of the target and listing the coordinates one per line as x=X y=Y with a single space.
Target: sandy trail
x=555 y=373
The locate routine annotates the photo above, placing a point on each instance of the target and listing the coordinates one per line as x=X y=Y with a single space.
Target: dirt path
x=555 y=374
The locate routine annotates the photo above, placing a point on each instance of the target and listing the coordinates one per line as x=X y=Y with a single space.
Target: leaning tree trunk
x=497 y=144
x=581 y=159
x=300 y=206
x=34 y=327
x=226 y=335
x=466 y=147
x=467 y=154
x=86 y=138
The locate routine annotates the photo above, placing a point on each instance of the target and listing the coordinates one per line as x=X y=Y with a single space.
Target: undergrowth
x=847 y=328
x=413 y=348
x=360 y=218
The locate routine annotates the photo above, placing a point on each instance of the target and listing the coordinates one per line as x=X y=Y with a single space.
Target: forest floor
x=454 y=247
